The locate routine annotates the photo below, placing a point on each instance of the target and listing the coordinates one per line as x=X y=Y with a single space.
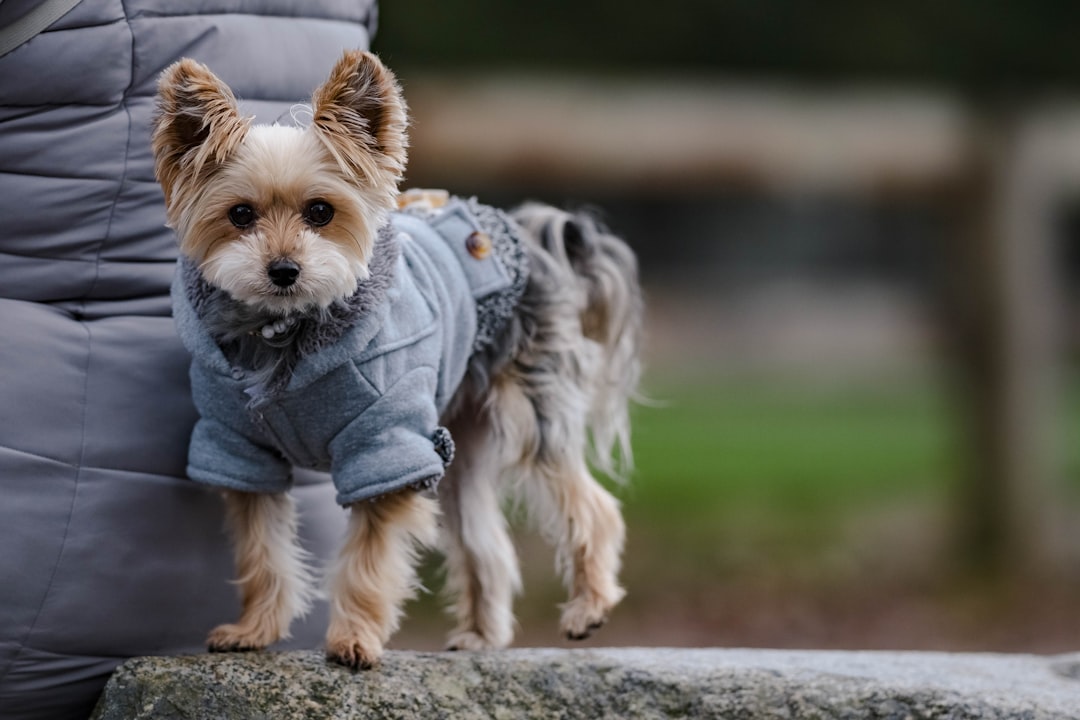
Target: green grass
x=726 y=447
x=739 y=478
x=1069 y=439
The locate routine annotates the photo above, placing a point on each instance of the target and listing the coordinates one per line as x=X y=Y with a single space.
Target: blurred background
x=860 y=241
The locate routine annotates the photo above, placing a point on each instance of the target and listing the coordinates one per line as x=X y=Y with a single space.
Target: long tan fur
x=376 y=574
x=361 y=118
x=196 y=129
x=275 y=579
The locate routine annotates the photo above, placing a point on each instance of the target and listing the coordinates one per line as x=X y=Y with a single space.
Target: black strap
x=32 y=23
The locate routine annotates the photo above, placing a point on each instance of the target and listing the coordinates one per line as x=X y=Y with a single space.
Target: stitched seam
x=360 y=21
x=71 y=512
x=96 y=468
x=127 y=159
x=53 y=176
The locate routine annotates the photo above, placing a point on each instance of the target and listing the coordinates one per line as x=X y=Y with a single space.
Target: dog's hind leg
x=589 y=546
x=275 y=582
x=376 y=574
x=482 y=570
x=571 y=508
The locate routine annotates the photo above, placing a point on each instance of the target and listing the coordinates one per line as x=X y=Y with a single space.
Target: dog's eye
x=241 y=215
x=319 y=213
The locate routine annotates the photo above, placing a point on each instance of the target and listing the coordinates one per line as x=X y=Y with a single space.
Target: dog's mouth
x=290 y=300
x=280 y=300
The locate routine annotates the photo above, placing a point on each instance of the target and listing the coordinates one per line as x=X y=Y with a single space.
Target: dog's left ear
x=360 y=116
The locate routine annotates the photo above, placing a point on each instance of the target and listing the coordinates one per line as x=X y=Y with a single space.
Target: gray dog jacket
x=365 y=405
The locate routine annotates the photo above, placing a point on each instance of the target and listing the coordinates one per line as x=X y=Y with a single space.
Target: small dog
x=330 y=328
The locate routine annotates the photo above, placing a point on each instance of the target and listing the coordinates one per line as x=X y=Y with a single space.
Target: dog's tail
x=611 y=311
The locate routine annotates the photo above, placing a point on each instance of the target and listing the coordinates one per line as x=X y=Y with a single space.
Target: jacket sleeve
x=227 y=449
x=394 y=444
x=221 y=456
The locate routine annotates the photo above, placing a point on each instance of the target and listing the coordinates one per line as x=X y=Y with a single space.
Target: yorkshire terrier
x=338 y=325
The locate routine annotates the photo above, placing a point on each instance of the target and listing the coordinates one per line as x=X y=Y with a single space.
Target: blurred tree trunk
x=1004 y=290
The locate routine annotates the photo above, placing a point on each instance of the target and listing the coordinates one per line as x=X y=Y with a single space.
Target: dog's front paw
x=353 y=654
x=235 y=638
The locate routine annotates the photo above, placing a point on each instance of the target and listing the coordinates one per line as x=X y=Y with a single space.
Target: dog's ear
x=196 y=127
x=360 y=116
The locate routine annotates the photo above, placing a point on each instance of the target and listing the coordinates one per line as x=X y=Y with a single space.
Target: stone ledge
x=593 y=684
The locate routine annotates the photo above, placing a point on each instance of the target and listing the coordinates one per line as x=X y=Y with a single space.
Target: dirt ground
x=887 y=609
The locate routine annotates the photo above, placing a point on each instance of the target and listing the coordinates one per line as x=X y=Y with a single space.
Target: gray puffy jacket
x=106 y=550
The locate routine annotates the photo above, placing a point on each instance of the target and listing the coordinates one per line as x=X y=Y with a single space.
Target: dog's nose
x=283 y=273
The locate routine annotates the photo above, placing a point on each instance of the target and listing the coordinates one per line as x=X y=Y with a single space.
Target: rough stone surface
x=598 y=684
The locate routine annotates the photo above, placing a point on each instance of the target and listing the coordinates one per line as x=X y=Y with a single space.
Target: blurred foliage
x=976 y=45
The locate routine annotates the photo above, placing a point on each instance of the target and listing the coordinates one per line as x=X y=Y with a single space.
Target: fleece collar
x=224 y=333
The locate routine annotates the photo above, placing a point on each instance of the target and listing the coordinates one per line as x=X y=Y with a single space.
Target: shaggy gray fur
x=606 y=271
x=581 y=281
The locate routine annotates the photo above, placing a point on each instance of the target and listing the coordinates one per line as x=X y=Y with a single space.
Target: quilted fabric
x=106 y=549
